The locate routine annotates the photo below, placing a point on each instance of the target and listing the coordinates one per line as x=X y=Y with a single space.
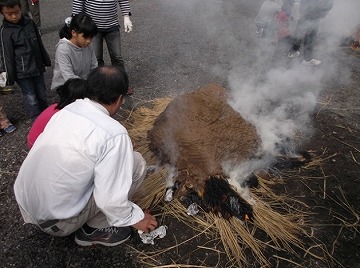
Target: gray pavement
x=175 y=46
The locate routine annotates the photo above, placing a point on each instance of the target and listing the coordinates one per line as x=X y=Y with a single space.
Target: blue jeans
x=112 y=40
x=34 y=92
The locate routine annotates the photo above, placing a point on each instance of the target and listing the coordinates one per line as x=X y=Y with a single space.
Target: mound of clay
x=197 y=132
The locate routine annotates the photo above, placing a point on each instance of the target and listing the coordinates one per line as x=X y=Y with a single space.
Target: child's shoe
x=10 y=129
x=294 y=54
x=312 y=62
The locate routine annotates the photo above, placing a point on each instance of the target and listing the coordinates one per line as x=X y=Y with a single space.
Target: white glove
x=127 y=24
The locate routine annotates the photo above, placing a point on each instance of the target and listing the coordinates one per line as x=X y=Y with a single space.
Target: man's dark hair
x=70 y=91
x=105 y=84
x=9 y=3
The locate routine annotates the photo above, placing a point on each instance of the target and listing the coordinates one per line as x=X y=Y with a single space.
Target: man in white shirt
x=82 y=170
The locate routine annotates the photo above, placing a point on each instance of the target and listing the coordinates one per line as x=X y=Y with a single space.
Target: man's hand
x=127 y=24
x=147 y=224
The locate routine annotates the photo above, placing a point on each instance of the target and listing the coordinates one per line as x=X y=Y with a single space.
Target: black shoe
x=10 y=129
x=110 y=236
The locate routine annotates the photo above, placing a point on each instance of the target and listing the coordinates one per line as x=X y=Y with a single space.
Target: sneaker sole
x=11 y=131
x=6 y=92
x=92 y=243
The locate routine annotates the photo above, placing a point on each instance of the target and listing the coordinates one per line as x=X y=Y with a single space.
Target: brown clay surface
x=198 y=131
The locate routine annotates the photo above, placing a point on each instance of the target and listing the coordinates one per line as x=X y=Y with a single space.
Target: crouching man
x=82 y=171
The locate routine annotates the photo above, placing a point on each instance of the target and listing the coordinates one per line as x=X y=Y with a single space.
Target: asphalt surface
x=175 y=46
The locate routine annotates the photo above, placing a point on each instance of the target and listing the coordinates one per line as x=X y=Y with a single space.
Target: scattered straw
x=287 y=260
x=280 y=230
x=354 y=158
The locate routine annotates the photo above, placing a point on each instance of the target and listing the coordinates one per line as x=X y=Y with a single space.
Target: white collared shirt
x=82 y=151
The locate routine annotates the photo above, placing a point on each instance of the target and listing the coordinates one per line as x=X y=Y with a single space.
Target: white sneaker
x=295 y=54
x=312 y=62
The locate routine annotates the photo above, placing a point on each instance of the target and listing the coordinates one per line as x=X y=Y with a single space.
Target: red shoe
x=129 y=91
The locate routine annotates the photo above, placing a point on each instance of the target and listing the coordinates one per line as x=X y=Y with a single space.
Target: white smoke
x=342 y=19
x=277 y=95
x=279 y=99
x=280 y=106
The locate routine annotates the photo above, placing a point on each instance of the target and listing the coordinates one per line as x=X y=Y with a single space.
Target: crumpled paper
x=169 y=195
x=148 y=238
x=3 y=79
x=192 y=209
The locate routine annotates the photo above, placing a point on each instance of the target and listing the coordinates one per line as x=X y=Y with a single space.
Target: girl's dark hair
x=70 y=91
x=105 y=84
x=80 y=23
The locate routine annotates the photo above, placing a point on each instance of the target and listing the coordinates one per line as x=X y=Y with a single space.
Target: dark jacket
x=23 y=53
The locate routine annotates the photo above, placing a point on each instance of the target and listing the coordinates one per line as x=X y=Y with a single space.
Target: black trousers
x=305 y=33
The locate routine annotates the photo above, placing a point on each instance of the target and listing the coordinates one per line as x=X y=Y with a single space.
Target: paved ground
x=178 y=46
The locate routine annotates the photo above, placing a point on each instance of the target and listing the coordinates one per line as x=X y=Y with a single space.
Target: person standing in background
x=283 y=20
x=295 y=16
x=24 y=56
x=105 y=15
x=311 y=13
x=265 y=19
x=32 y=7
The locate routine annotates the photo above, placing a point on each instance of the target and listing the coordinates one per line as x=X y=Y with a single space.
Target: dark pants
x=305 y=32
x=34 y=92
x=112 y=40
x=309 y=41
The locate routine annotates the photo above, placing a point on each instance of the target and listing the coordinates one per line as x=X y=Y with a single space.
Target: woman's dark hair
x=70 y=91
x=80 y=23
x=105 y=84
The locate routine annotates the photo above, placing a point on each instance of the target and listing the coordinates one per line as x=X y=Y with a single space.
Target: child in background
x=24 y=56
x=284 y=36
x=74 y=56
x=266 y=17
x=72 y=90
x=5 y=124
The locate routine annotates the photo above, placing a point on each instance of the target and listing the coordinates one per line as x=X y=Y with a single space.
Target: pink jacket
x=40 y=123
